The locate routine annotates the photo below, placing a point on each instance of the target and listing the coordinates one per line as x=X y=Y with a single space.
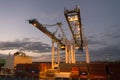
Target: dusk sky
x=100 y=21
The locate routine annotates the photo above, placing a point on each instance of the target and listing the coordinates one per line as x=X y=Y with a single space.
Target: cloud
x=106 y=44
x=112 y=52
x=92 y=41
x=112 y=31
x=25 y=44
x=43 y=58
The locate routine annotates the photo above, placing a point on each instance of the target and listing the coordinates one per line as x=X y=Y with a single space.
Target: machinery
x=59 y=42
x=74 y=22
x=79 y=40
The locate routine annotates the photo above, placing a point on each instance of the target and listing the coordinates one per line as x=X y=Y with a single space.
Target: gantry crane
x=79 y=39
x=59 y=42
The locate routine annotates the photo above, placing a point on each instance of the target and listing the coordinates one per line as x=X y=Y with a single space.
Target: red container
x=21 y=70
x=33 y=70
x=98 y=71
x=75 y=72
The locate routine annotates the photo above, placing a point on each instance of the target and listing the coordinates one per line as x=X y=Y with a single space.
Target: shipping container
x=114 y=71
x=21 y=70
x=75 y=72
x=98 y=71
x=83 y=71
x=33 y=71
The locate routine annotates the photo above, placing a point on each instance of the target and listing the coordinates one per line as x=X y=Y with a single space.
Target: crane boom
x=35 y=23
x=74 y=22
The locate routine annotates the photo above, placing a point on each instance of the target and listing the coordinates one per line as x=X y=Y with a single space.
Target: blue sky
x=100 y=21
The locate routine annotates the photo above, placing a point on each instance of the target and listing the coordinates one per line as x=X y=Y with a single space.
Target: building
x=17 y=58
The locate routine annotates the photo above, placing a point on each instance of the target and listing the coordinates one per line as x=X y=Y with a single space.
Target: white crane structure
x=79 y=40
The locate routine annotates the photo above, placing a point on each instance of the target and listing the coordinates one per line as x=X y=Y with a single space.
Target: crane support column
x=87 y=55
x=58 y=53
x=66 y=54
x=53 y=54
x=70 y=59
x=74 y=56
